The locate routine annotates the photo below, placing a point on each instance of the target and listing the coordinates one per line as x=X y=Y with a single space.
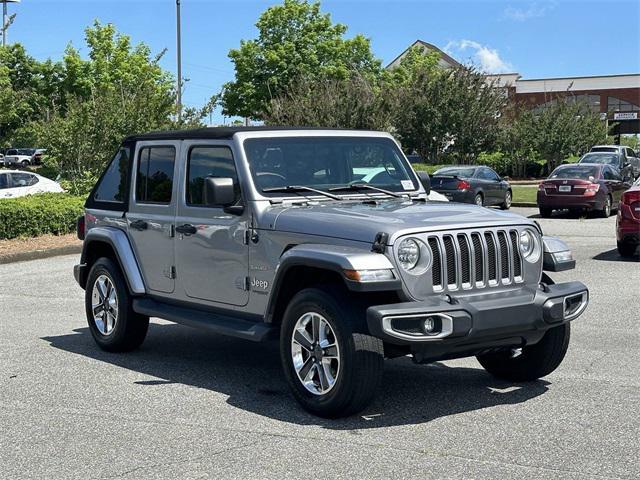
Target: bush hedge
x=35 y=215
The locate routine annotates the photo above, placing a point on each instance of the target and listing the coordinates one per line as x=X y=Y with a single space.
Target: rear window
x=458 y=172
x=113 y=185
x=604 y=149
x=154 y=179
x=579 y=172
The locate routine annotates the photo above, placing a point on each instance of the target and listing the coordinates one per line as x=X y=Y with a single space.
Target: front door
x=211 y=247
x=152 y=213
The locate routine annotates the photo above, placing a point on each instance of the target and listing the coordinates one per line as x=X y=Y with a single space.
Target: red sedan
x=628 y=221
x=581 y=187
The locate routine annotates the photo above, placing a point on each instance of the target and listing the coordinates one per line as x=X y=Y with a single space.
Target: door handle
x=186 y=229
x=139 y=225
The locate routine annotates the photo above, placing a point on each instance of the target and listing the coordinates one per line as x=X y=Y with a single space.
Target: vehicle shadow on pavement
x=613 y=256
x=251 y=376
x=567 y=215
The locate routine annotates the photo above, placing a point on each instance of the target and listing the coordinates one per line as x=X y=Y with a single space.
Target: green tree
x=437 y=109
x=295 y=40
x=353 y=102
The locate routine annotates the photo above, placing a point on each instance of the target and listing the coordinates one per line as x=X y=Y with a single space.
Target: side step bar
x=213 y=322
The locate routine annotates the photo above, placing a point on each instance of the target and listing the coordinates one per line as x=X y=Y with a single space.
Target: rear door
x=212 y=252
x=152 y=211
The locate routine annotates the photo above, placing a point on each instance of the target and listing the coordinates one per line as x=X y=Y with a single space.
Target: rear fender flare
x=120 y=244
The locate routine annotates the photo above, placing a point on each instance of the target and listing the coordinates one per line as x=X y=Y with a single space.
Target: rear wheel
x=479 y=199
x=545 y=212
x=506 y=204
x=113 y=323
x=534 y=362
x=331 y=364
x=606 y=208
x=24 y=163
x=627 y=249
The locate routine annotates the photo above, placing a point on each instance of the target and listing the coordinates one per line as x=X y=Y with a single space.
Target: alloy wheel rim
x=315 y=353
x=104 y=305
x=508 y=199
x=607 y=207
x=478 y=200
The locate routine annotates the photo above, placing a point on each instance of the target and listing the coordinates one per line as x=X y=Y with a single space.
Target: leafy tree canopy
x=295 y=40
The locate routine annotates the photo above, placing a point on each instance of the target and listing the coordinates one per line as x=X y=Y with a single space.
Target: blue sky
x=535 y=38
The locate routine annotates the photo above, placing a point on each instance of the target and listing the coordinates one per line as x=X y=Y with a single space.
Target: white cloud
x=534 y=10
x=487 y=59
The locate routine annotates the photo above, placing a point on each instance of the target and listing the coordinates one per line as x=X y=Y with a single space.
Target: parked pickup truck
x=326 y=240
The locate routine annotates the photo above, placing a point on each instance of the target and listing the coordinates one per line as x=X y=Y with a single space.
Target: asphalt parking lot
x=194 y=405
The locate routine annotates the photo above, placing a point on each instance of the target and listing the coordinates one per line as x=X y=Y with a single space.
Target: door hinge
x=243 y=283
x=172 y=231
x=170 y=272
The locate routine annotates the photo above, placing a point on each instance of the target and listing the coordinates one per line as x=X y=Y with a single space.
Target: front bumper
x=514 y=318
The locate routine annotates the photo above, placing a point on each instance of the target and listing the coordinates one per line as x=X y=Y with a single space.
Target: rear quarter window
x=113 y=184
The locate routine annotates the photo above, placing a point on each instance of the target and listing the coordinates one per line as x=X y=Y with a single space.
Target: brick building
x=615 y=97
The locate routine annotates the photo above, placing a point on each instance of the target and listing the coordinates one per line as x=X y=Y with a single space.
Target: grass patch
x=526 y=194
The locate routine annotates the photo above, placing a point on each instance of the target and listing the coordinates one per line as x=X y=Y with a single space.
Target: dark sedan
x=472 y=184
x=582 y=186
x=625 y=167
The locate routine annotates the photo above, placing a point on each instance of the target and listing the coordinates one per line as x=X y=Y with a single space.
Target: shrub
x=430 y=169
x=35 y=215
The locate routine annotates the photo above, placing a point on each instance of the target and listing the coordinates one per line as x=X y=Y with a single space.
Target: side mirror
x=218 y=192
x=425 y=180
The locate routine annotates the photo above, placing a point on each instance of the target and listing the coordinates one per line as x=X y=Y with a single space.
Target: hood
x=361 y=222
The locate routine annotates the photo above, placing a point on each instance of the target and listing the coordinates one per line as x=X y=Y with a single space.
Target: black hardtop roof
x=214 y=133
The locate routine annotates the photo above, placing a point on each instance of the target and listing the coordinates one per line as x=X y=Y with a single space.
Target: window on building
x=615 y=104
x=154 y=179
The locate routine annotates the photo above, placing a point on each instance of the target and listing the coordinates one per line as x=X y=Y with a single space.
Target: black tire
x=130 y=328
x=627 y=249
x=479 y=199
x=24 y=163
x=536 y=360
x=605 y=212
x=545 y=212
x=361 y=356
x=508 y=198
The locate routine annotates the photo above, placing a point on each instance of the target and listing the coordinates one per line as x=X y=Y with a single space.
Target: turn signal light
x=630 y=197
x=592 y=189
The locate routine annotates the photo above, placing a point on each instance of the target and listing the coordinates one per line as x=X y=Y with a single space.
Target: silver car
x=327 y=241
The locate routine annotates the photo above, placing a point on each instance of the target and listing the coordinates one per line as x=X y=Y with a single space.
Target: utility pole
x=179 y=59
x=6 y=20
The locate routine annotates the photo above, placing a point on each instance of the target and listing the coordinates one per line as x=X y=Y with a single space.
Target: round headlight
x=408 y=253
x=529 y=246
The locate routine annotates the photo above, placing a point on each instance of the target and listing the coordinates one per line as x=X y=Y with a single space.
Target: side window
x=113 y=185
x=630 y=153
x=615 y=175
x=208 y=161
x=154 y=179
x=491 y=175
x=608 y=174
x=23 y=179
x=4 y=181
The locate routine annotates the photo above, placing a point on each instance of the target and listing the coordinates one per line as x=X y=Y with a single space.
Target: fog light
x=431 y=325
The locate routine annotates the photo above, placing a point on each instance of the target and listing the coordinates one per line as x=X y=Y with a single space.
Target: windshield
x=464 y=172
x=575 y=171
x=602 y=157
x=324 y=163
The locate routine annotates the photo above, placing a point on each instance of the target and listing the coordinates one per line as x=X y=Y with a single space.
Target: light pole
x=179 y=59
x=5 y=21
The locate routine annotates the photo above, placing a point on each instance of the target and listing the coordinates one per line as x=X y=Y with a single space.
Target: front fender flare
x=120 y=244
x=336 y=259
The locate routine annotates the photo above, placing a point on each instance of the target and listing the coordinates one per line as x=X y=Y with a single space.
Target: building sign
x=625 y=116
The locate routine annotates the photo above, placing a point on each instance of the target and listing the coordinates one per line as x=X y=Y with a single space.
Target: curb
x=39 y=254
x=523 y=204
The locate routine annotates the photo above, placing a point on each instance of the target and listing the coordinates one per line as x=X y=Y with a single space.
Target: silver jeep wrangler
x=327 y=239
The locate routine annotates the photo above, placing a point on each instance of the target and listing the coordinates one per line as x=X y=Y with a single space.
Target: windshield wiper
x=364 y=186
x=300 y=188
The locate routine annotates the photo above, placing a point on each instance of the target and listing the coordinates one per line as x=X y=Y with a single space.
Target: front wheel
x=113 y=323
x=534 y=362
x=331 y=365
x=24 y=163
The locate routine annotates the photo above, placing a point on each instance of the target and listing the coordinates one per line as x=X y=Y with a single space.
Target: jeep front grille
x=475 y=259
